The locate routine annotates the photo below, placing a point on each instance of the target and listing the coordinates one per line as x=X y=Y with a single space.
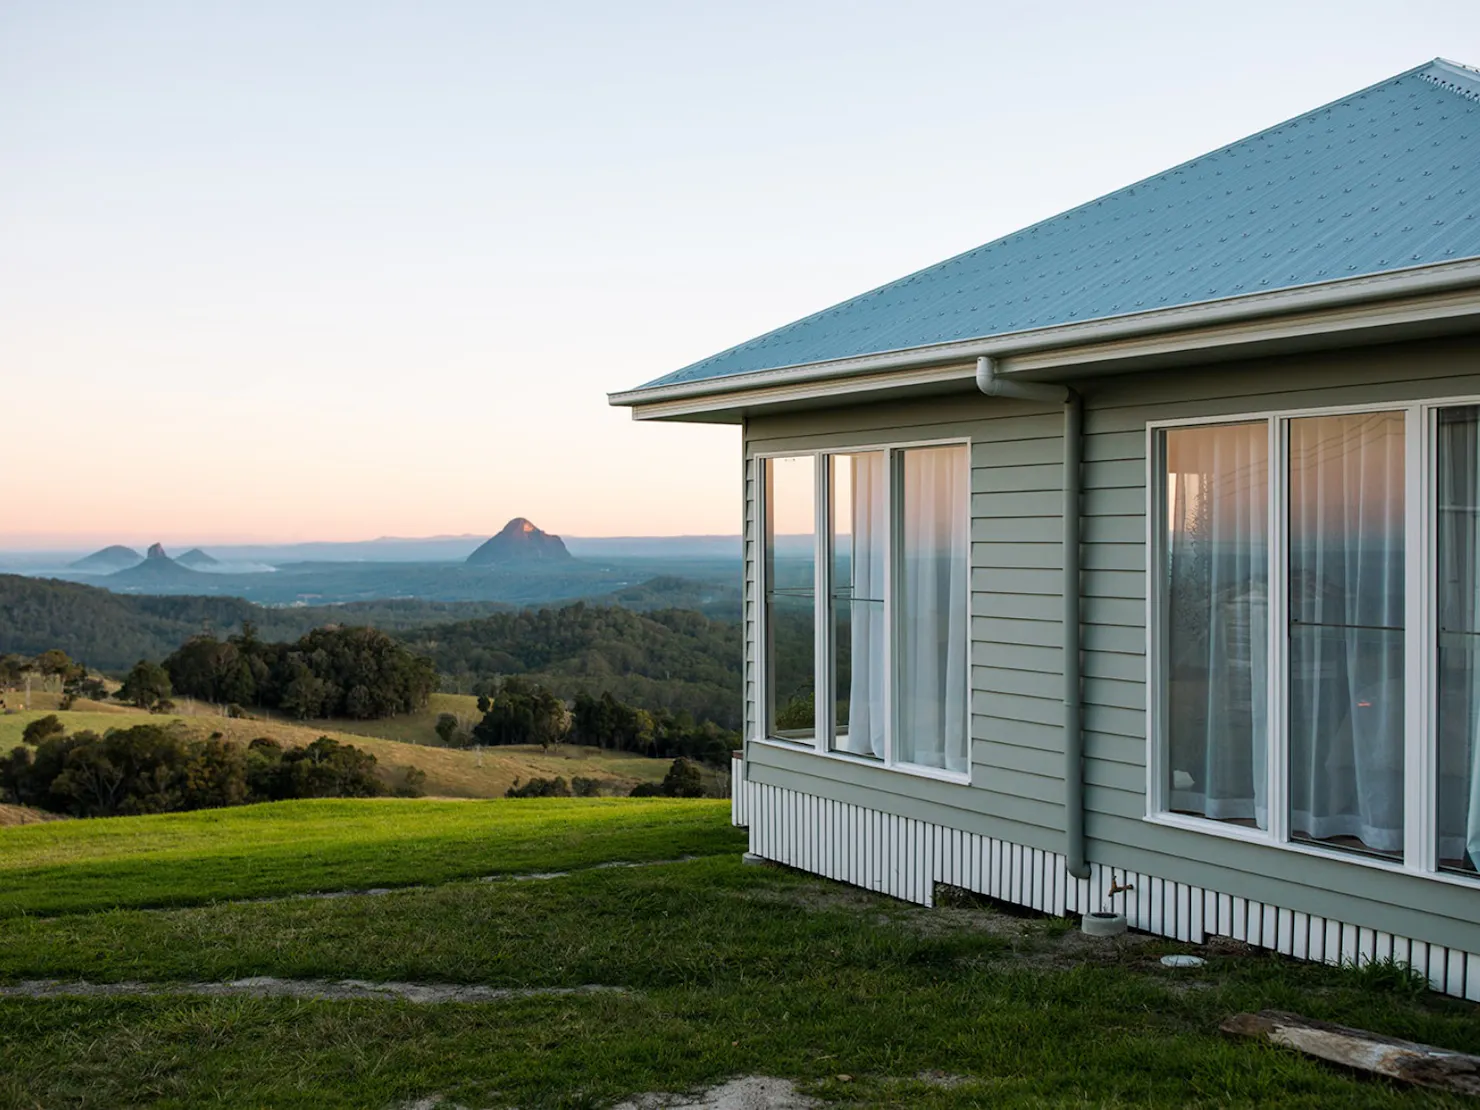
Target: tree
x=42 y=729
x=83 y=686
x=56 y=662
x=683 y=780
x=146 y=685
x=446 y=727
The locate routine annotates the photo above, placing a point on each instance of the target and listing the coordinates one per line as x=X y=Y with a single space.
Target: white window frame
x=1420 y=764
x=823 y=678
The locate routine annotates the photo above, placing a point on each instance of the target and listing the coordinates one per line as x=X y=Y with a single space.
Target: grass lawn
x=294 y=847
x=726 y=970
x=451 y=772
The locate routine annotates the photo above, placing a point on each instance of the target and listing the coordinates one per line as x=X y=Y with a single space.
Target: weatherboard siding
x=1017 y=711
x=1115 y=686
x=1016 y=789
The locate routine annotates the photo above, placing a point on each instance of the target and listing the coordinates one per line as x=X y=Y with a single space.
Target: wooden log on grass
x=1408 y=1061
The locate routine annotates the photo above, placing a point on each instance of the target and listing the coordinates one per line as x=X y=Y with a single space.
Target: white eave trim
x=1063 y=345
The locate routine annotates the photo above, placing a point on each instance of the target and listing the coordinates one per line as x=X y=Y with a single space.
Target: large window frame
x=823 y=738
x=1420 y=735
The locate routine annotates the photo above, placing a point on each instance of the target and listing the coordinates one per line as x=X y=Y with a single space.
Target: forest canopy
x=359 y=673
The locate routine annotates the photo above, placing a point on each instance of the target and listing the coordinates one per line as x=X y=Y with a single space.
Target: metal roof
x=1384 y=179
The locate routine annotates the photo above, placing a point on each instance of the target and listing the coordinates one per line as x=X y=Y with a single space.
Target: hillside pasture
x=450 y=772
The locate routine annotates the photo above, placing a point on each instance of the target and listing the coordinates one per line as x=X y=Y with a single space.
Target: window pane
x=860 y=535
x=1346 y=630
x=930 y=608
x=790 y=573
x=1458 y=622
x=1216 y=621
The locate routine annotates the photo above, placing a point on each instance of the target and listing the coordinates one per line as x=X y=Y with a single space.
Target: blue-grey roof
x=1384 y=179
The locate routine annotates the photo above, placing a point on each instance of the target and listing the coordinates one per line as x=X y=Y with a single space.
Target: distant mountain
x=520 y=542
x=157 y=570
x=108 y=560
x=196 y=559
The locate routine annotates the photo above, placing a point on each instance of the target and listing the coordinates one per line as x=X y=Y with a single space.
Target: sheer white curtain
x=863 y=597
x=932 y=608
x=1459 y=636
x=1217 y=568
x=1346 y=591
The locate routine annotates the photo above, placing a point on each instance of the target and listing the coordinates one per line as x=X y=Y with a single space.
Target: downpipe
x=992 y=385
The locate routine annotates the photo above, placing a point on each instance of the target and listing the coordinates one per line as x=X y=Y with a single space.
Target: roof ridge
x=1454 y=76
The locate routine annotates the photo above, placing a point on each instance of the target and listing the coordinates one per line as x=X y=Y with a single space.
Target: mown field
x=712 y=970
x=451 y=772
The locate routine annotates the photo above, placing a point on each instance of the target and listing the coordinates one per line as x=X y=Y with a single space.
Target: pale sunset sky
x=310 y=270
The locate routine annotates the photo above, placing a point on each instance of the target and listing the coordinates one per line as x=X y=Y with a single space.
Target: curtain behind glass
x=932 y=608
x=860 y=537
x=1346 y=586
x=1458 y=610
x=1217 y=571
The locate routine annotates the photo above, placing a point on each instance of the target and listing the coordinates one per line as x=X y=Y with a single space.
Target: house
x=1140 y=549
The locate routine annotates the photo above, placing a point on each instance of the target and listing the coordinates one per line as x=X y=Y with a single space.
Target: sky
x=332 y=271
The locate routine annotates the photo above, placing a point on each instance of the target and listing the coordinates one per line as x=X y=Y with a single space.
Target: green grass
x=292 y=847
x=730 y=970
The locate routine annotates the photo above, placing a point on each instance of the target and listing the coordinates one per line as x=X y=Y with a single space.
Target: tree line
x=152 y=768
x=358 y=673
x=523 y=712
x=673 y=660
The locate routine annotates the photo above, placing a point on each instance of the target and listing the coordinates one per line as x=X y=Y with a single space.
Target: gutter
x=1413 y=281
x=992 y=384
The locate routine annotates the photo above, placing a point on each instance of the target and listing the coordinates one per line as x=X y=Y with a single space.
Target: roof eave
x=1074 y=350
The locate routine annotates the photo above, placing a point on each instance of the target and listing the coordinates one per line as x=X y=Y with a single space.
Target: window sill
x=960 y=778
x=1263 y=840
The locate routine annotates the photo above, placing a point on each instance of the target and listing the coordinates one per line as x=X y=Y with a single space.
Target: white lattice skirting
x=905 y=858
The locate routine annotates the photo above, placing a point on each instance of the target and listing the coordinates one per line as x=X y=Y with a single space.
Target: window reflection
x=790 y=493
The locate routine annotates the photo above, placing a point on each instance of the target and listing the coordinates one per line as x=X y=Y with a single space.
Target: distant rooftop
x=1385 y=179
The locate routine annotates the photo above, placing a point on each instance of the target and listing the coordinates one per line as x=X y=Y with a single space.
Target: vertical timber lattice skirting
x=905 y=858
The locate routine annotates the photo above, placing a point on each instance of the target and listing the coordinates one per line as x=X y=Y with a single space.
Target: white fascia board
x=1441 y=290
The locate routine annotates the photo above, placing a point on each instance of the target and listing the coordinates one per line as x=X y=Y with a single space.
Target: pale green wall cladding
x=1017 y=750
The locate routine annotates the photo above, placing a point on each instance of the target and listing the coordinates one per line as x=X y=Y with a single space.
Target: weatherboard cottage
x=1141 y=548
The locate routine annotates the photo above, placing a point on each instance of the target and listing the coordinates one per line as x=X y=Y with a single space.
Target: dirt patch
x=25 y=815
x=943 y=1079
x=752 y=1092
x=265 y=986
x=521 y=877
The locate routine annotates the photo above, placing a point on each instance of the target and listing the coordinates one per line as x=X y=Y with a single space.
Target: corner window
x=866 y=583
x=1315 y=625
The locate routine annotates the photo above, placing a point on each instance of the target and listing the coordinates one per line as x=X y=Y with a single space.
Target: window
x=1457 y=629
x=866 y=584
x=1315 y=616
x=791 y=610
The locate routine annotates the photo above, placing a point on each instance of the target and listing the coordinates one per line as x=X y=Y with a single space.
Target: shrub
x=158 y=769
x=446 y=728
x=413 y=784
x=683 y=780
x=43 y=728
x=540 y=788
x=585 y=787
